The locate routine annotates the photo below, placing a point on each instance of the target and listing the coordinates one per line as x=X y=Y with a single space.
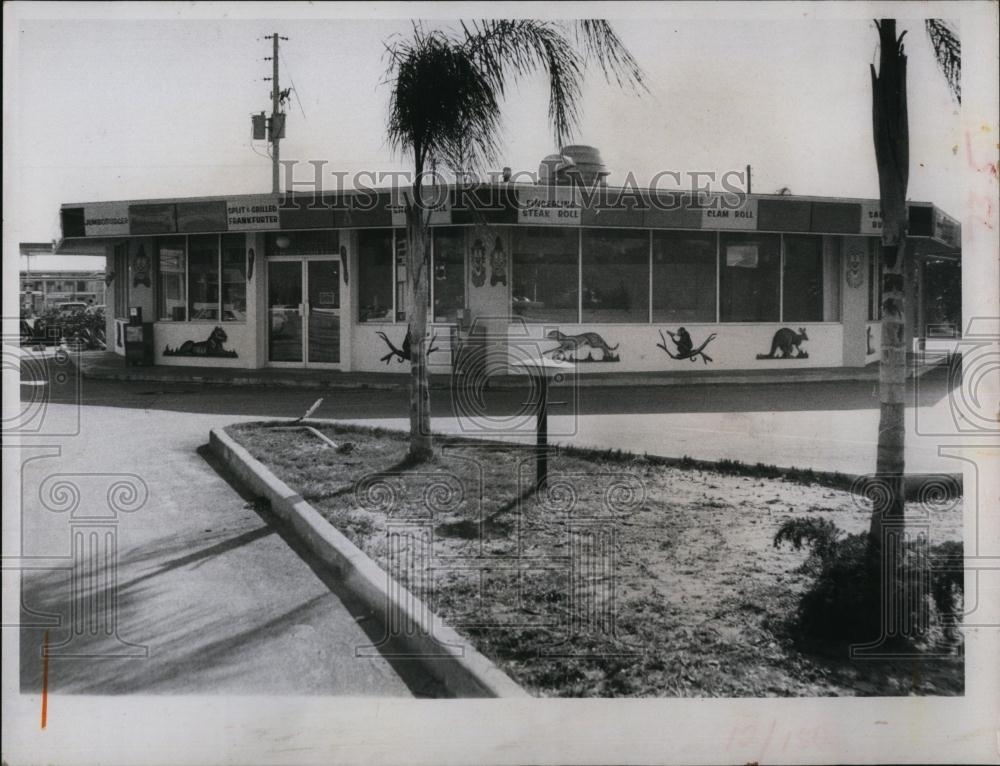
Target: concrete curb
x=401 y=381
x=449 y=657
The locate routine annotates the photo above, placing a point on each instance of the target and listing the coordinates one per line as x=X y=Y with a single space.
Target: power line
x=295 y=90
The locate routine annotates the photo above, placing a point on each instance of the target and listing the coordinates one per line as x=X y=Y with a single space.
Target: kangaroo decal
x=212 y=346
x=570 y=344
x=403 y=354
x=685 y=346
x=784 y=340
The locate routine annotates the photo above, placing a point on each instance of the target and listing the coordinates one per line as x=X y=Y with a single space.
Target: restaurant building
x=630 y=282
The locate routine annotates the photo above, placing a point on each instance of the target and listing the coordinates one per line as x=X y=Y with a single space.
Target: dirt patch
x=623 y=577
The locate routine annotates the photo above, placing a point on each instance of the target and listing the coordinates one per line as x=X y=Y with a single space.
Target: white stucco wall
x=735 y=347
x=239 y=338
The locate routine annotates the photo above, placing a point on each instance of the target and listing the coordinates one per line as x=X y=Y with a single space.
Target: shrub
x=844 y=599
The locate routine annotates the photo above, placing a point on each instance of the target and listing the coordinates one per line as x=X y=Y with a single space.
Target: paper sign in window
x=741 y=256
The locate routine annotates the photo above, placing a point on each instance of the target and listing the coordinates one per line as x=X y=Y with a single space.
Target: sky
x=119 y=108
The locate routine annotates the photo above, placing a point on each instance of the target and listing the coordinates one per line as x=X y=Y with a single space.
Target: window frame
x=391 y=317
x=219 y=238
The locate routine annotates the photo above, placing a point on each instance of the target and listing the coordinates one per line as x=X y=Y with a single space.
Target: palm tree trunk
x=891 y=134
x=418 y=298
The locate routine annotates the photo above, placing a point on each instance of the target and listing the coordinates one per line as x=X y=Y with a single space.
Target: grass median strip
x=623 y=577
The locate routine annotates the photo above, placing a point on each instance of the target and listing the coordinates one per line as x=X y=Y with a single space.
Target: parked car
x=97 y=309
x=69 y=309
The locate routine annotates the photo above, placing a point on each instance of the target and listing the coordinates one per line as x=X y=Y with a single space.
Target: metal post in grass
x=541 y=370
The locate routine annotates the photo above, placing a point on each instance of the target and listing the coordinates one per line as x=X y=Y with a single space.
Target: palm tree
x=891 y=135
x=445 y=109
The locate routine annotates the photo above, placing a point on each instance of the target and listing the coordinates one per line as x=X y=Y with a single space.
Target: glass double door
x=303 y=306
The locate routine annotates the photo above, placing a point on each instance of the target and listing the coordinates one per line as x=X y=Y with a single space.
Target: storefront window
x=375 y=275
x=171 y=293
x=234 y=278
x=545 y=264
x=449 y=274
x=684 y=266
x=203 y=277
x=802 y=290
x=749 y=277
x=615 y=276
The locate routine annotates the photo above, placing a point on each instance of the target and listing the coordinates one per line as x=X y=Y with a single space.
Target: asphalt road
x=379 y=404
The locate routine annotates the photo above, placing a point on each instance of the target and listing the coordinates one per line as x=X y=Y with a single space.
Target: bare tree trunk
x=418 y=298
x=891 y=133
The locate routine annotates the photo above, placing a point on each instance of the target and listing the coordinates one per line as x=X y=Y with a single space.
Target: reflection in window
x=171 y=298
x=803 y=280
x=545 y=264
x=684 y=266
x=615 y=276
x=749 y=277
x=449 y=274
x=203 y=277
x=234 y=278
x=375 y=275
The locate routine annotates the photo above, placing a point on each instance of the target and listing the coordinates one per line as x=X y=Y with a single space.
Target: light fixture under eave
x=282 y=241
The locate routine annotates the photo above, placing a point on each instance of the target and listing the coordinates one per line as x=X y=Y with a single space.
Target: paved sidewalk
x=109 y=366
x=205 y=581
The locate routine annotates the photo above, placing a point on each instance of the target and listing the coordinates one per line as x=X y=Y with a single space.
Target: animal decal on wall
x=871 y=349
x=403 y=353
x=213 y=346
x=569 y=347
x=684 y=346
x=478 y=269
x=498 y=264
x=784 y=341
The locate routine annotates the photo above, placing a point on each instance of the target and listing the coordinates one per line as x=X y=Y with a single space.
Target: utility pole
x=275 y=125
x=275 y=128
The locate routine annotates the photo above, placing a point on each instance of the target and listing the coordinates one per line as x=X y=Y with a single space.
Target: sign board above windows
x=947 y=229
x=871 y=218
x=252 y=213
x=106 y=219
x=440 y=212
x=549 y=205
x=722 y=217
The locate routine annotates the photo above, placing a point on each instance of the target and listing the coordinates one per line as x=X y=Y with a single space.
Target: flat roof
x=498 y=203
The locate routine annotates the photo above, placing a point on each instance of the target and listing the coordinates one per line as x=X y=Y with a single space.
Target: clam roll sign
x=549 y=205
x=252 y=213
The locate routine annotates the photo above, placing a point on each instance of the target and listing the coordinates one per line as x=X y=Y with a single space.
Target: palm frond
x=948 y=52
x=447 y=85
x=602 y=43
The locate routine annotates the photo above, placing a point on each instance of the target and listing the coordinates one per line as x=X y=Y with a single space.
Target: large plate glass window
x=234 y=278
x=615 y=276
x=375 y=275
x=203 y=277
x=684 y=276
x=449 y=274
x=172 y=268
x=802 y=286
x=749 y=277
x=545 y=274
